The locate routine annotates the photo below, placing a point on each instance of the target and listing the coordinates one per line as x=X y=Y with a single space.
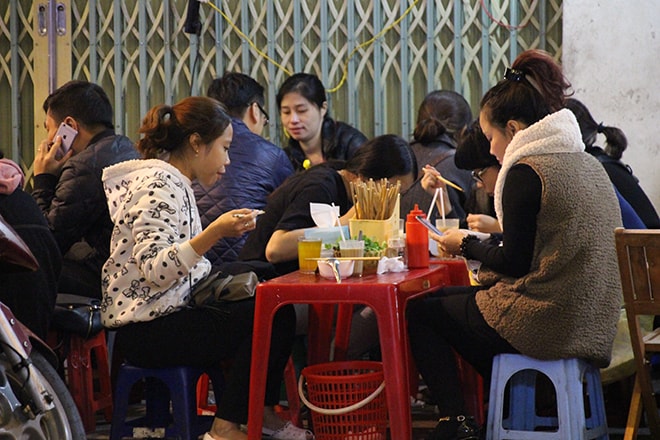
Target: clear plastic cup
x=353 y=248
x=308 y=248
x=448 y=223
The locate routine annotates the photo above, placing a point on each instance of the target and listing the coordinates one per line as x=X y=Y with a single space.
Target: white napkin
x=326 y=218
x=324 y=215
x=386 y=264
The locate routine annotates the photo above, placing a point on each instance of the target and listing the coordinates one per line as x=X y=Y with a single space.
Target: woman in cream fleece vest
x=550 y=289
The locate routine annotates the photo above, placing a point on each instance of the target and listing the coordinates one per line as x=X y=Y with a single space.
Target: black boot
x=456 y=428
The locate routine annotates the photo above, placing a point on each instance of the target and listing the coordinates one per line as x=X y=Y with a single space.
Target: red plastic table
x=386 y=294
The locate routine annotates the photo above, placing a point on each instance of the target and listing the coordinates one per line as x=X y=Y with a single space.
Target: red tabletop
x=386 y=294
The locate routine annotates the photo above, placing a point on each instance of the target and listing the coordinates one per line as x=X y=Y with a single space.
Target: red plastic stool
x=473 y=390
x=292 y=412
x=88 y=360
x=204 y=408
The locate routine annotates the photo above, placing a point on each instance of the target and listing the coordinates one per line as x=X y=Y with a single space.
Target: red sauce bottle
x=417 y=240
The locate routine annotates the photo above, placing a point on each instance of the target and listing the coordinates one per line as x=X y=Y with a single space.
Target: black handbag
x=220 y=286
x=77 y=314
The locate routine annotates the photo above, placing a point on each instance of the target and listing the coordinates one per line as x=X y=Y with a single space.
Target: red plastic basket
x=347 y=400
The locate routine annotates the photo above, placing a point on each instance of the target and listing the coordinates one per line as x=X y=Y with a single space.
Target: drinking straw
x=442 y=206
x=435 y=196
x=341 y=230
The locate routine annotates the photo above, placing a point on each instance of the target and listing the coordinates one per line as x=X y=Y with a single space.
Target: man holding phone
x=81 y=141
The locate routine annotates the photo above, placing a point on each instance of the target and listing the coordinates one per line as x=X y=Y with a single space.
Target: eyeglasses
x=477 y=175
x=261 y=109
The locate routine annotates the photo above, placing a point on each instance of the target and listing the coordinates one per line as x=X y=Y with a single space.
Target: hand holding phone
x=68 y=134
x=430 y=226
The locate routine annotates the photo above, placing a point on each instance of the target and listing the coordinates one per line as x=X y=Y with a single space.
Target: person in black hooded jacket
x=29 y=294
x=620 y=174
x=68 y=187
x=314 y=136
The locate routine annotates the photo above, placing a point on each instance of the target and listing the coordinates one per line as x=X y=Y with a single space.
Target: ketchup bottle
x=417 y=240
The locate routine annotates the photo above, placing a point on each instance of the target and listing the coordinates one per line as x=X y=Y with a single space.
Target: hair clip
x=513 y=74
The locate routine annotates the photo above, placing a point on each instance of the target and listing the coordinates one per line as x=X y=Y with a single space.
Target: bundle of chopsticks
x=374 y=200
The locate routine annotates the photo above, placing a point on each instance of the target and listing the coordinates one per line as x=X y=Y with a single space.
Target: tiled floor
x=422 y=425
x=616 y=401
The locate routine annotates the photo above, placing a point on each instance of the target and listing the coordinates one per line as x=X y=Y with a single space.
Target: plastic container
x=347 y=400
x=417 y=240
x=345 y=268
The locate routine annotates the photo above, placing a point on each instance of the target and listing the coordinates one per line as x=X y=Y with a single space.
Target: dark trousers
x=441 y=323
x=204 y=338
x=80 y=278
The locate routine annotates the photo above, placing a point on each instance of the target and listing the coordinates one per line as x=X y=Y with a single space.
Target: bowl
x=345 y=268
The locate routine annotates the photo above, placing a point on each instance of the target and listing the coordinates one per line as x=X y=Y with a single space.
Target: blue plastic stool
x=177 y=385
x=571 y=378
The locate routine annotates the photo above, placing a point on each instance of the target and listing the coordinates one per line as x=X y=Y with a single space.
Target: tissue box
x=377 y=230
x=327 y=235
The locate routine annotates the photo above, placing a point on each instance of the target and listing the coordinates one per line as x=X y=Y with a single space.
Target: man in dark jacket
x=68 y=187
x=257 y=166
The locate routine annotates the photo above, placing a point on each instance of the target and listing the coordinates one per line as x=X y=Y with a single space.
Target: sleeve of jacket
x=282 y=169
x=71 y=205
x=350 y=138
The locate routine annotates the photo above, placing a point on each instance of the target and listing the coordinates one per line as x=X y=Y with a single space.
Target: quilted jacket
x=74 y=203
x=257 y=167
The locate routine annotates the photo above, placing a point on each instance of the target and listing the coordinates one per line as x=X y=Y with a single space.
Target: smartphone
x=68 y=134
x=430 y=226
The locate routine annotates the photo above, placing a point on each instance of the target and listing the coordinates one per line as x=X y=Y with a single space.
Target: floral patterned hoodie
x=152 y=266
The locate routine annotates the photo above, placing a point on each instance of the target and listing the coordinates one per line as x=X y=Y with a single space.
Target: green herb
x=371 y=247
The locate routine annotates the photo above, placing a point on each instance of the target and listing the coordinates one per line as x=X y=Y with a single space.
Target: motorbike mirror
x=15 y=255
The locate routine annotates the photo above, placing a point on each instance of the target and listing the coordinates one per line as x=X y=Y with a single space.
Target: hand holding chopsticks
x=434 y=183
x=428 y=169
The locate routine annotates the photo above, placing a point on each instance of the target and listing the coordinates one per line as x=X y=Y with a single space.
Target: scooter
x=34 y=400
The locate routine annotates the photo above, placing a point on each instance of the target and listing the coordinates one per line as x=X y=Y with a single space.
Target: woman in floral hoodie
x=156 y=258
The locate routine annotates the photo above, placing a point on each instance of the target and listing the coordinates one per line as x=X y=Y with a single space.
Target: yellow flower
x=306 y=164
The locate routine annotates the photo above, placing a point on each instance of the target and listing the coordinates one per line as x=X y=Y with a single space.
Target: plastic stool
x=571 y=378
x=204 y=408
x=291 y=412
x=472 y=385
x=163 y=385
x=80 y=372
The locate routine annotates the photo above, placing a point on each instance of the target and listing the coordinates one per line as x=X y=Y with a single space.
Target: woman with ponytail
x=157 y=258
x=440 y=118
x=620 y=174
x=551 y=288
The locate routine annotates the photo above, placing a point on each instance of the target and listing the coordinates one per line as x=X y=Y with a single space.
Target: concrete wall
x=611 y=55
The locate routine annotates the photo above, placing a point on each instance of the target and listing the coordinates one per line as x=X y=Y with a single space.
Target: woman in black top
x=620 y=174
x=287 y=214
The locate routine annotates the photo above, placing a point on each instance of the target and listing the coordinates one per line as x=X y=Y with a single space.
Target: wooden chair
x=638 y=253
